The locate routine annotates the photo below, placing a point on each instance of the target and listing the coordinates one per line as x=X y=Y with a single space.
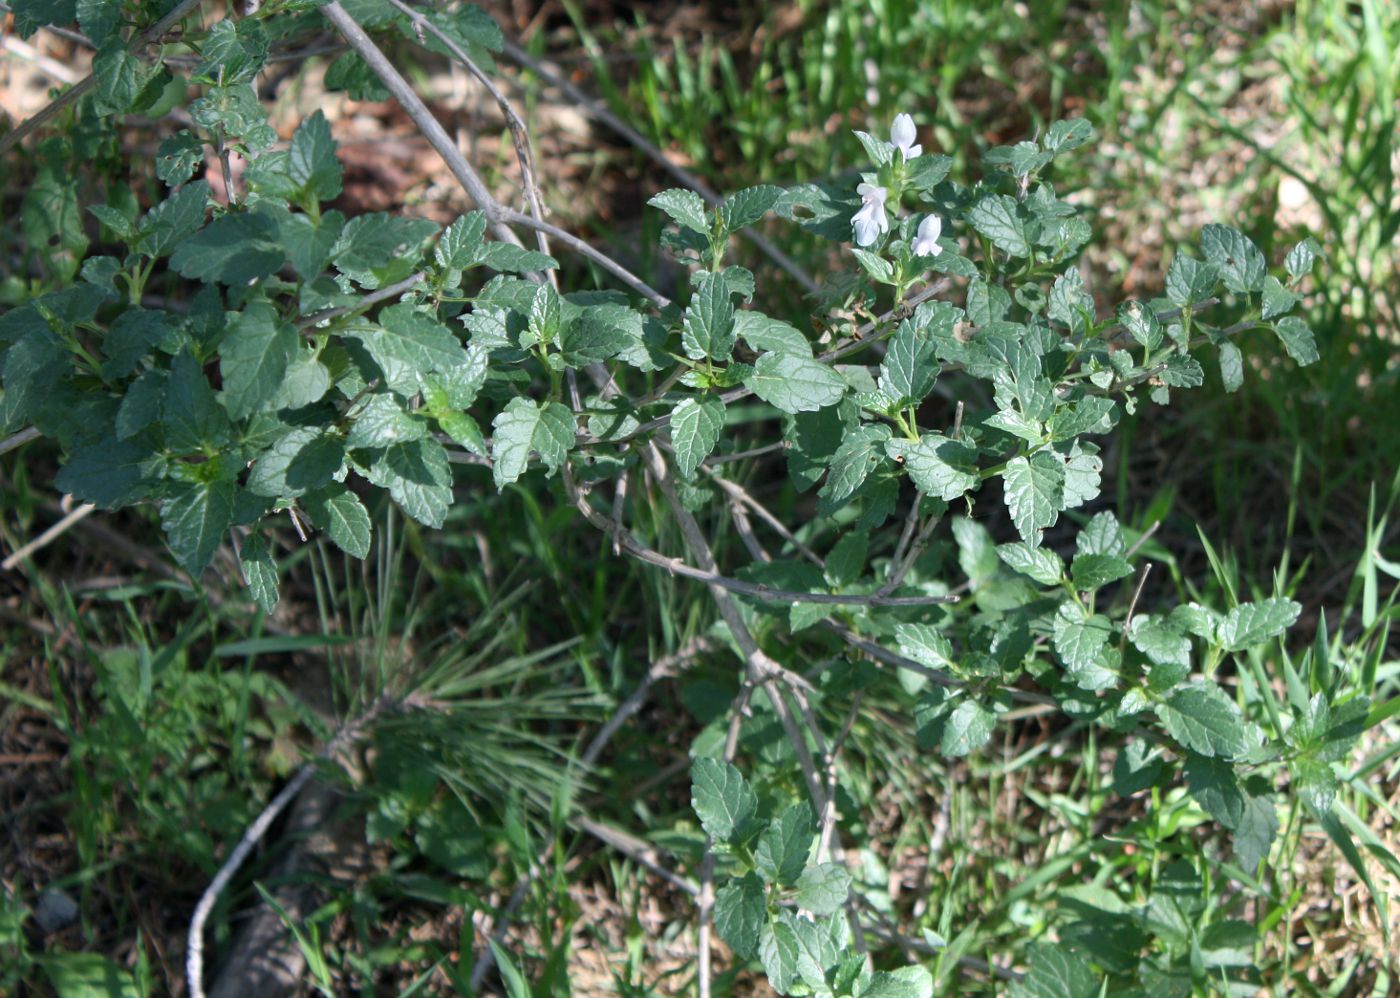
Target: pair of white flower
x=871 y=220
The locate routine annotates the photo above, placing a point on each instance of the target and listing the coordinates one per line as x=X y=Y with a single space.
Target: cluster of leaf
x=777 y=904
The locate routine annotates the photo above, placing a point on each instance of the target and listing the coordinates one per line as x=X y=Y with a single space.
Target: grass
x=516 y=630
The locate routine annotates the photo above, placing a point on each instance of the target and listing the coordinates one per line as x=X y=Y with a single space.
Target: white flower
x=926 y=244
x=870 y=221
x=902 y=136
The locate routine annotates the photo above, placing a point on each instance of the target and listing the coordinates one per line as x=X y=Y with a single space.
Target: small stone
x=56 y=910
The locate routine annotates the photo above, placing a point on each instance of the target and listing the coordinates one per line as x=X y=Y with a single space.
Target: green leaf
x=747 y=206
x=338 y=511
x=309 y=242
x=695 y=429
x=1079 y=638
x=1256 y=830
x=233 y=52
x=845 y=562
x=88 y=975
x=522 y=427
x=507 y=257
x=192 y=416
x=178 y=156
x=1160 y=640
x=1067 y=134
x=108 y=474
x=823 y=889
x=795 y=383
x=1182 y=371
x=1202 y=718
x=383 y=421
x=418 y=477
x=134 y=334
x=778 y=949
x=709 y=320
x=939 y=467
x=253 y=358
x=858 y=455
x=311 y=160
x=1297 y=339
x=98 y=19
x=259 y=571
x=875 y=265
x=741 y=908
x=169 y=224
x=1242 y=267
x=1189 y=281
x=120 y=78
x=304 y=459
x=909 y=370
x=782 y=850
x=1277 y=299
x=1300 y=258
x=1142 y=324
x=196 y=515
x=235 y=111
x=686 y=208
x=236 y=249
x=924 y=644
x=376 y=249
x=967 y=729
x=765 y=333
x=722 y=799
x=1056 y=972
x=906 y=982
x=1094 y=571
x=1034 y=492
x=1251 y=624
x=1002 y=220
x=543 y=316
x=415 y=340
x=1231 y=367
x=1044 y=566
x=1215 y=787
x=459 y=247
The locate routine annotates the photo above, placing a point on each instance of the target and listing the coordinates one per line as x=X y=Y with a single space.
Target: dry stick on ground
x=81 y=88
x=49 y=536
x=600 y=112
x=194 y=949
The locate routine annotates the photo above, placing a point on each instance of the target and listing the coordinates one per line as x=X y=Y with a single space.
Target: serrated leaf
x=938 y=466
x=686 y=209
x=1202 y=718
x=191 y=415
x=741 y=908
x=233 y=52
x=924 y=644
x=1251 y=624
x=1189 y=281
x=722 y=799
x=253 y=358
x=1215 y=787
x=795 y=383
x=860 y=453
x=311 y=160
x=1297 y=339
x=1094 y=571
x=120 y=76
x=522 y=427
x=459 y=245
x=178 y=156
x=1300 y=258
x=778 y=950
x=1277 y=300
x=695 y=429
x=1044 y=566
x=412 y=340
x=1240 y=264
x=108 y=474
x=967 y=728
x=1003 y=221
x=1182 y=371
x=98 y=19
x=309 y=242
x=1056 y=972
x=338 y=511
x=259 y=571
x=1255 y=832
x=747 y=206
x=196 y=515
x=375 y=249
x=418 y=477
x=169 y=224
x=906 y=982
x=601 y=333
x=134 y=334
x=509 y=258
x=236 y=249
x=845 y=562
x=823 y=889
x=765 y=333
x=708 y=329
x=1160 y=640
x=909 y=369
x=1079 y=638
x=782 y=850
x=303 y=459
x=1034 y=492
x=1067 y=134
x=381 y=421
